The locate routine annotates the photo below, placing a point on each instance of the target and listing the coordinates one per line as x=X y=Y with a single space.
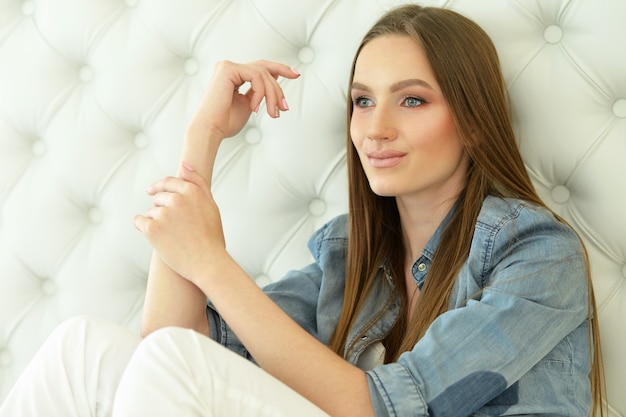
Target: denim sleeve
x=532 y=292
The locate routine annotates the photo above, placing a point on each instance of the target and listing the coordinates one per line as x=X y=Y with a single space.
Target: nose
x=381 y=125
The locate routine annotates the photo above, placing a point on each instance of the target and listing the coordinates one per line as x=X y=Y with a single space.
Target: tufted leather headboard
x=95 y=96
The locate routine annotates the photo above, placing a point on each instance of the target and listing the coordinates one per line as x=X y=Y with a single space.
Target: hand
x=224 y=110
x=184 y=225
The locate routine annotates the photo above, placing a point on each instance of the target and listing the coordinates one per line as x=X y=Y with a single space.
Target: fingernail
x=187 y=166
x=257 y=108
x=295 y=71
x=276 y=112
x=285 y=105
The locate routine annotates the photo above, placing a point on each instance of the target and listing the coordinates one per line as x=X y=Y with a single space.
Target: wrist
x=197 y=131
x=215 y=271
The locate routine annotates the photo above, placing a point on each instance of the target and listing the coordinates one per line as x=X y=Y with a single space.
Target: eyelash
x=419 y=100
x=357 y=102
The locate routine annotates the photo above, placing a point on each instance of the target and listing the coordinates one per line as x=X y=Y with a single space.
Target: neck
x=419 y=222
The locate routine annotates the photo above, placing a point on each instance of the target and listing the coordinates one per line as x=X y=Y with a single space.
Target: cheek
x=355 y=133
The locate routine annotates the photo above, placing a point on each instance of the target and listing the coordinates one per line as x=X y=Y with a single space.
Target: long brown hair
x=467 y=69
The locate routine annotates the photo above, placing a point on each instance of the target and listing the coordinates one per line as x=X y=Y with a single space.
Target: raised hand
x=224 y=109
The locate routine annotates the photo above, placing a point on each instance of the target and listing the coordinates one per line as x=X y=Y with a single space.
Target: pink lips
x=385 y=158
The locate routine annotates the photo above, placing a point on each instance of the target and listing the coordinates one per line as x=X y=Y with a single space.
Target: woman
x=449 y=289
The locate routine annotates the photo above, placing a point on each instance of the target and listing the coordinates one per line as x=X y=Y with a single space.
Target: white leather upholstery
x=95 y=96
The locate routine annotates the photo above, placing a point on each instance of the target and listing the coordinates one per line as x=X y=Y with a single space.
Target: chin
x=384 y=190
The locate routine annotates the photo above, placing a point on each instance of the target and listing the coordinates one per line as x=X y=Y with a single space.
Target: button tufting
x=619 y=108
x=262 y=280
x=141 y=140
x=253 y=135
x=560 y=194
x=553 y=34
x=421 y=267
x=5 y=359
x=306 y=55
x=85 y=74
x=28 y=8
x=317 y=207
x=38 y=148
x=48 y=287
x=191 y=66
x=95 y=215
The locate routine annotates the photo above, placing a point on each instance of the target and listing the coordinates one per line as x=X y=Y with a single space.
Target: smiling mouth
x=384 y=159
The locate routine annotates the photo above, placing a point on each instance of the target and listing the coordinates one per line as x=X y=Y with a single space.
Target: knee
x=82 y=331
x=78 y=325
x=171 y=346
x=167 y=336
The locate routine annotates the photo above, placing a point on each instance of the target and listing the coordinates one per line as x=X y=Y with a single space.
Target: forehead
x=390 y=58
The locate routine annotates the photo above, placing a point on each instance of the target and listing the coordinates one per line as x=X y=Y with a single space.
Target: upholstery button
x=5 y=359
x=141 y=140
x=38 y=148
x=262 y=280
x=48 y=287
x=317 y=207
x=306 y=55
x=553 y=34
x=28 y=8
x=253 y=135
x=191 y=66
x=560 y=194
x=619 y=108
x=85 y=74
x=95 y=215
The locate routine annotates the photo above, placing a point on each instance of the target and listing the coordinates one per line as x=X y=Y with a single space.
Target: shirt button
x=421 y=267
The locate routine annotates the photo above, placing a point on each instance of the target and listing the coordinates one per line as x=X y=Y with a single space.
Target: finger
x=165 y=199
x=266 y=86
x=270 y=88
x=274 y=95
x=277 y=69
x=141 y=223
x=189 y=174
x=167 y=184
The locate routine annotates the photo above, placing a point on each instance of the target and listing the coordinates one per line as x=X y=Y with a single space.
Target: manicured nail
x=285 y=105
x=257 y=108
x=187 y=166
x=295 y=71
x=276 y=112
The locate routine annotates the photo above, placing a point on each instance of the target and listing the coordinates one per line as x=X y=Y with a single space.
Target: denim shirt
x=514 y=340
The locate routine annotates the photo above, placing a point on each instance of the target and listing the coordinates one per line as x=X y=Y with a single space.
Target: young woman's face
x=401 y=126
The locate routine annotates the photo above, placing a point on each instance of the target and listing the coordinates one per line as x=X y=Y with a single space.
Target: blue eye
x=362 y=102
x=413 y=102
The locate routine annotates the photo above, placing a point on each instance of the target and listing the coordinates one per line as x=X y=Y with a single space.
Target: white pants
x=91 y=368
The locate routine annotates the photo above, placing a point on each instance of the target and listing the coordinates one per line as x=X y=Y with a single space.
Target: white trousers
x=91 y=368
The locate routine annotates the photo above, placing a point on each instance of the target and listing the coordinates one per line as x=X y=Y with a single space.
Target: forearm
x=282 y=347
x=172 y=300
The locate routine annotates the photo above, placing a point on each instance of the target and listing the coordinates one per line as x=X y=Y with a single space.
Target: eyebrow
x=395 y=86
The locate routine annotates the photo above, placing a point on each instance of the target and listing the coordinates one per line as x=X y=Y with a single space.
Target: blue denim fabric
x=513 y=342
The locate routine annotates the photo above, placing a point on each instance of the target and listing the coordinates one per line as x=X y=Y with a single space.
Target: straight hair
x=467 y=68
